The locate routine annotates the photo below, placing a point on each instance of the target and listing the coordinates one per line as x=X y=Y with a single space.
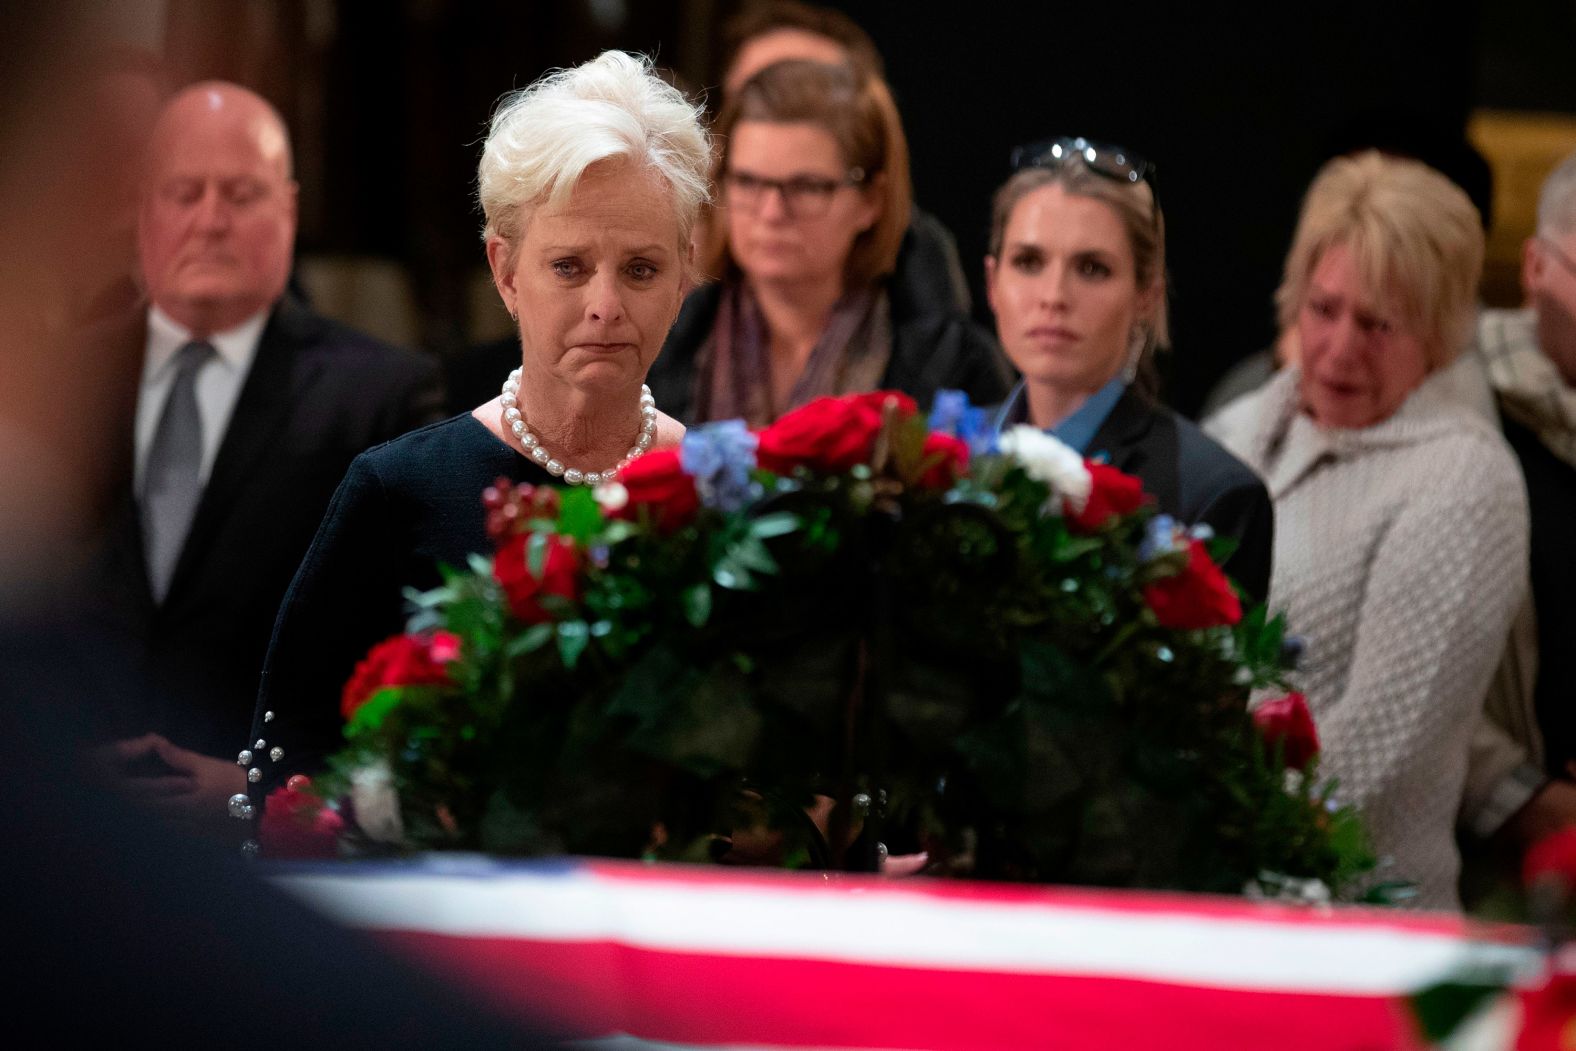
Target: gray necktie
x=171 y=482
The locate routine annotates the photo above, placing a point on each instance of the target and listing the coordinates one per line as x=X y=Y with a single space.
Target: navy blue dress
x=404 y=508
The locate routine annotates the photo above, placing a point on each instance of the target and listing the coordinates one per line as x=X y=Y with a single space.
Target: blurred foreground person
x=249 y=409
x=1401 y=519
x=163 y=938
x=1076 y=278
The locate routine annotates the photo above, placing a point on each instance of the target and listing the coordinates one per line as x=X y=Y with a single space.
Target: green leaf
x=732 y=574
x=427 y=599
x=1221 y=548
x=779 y=523
x=536 y=554
x=481 y=565
x=368 y=718
x=579 y=515
x=697 y=605
x=573 y=636
x=752 y=554
x=617 y=531
x=528 y=641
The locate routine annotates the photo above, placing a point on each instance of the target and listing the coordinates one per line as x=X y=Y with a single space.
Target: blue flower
x=720 y=457
x=948 y=411
x=952 y=414
x=1160 y=538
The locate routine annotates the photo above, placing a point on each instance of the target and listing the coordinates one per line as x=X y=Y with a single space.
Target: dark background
x=1237 y=108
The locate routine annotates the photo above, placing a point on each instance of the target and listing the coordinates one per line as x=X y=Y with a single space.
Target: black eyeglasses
x=803 y=196
x=1102 y=158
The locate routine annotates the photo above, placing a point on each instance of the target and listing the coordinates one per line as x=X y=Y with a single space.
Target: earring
x=1135 y=352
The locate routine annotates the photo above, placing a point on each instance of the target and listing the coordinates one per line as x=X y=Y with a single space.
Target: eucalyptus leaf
x=536 y=554
x=778 y=523
x=528 y=641
x=573 y=636
x=697 y=605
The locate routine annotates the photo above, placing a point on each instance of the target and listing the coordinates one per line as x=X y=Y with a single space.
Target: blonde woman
x=1401 y=518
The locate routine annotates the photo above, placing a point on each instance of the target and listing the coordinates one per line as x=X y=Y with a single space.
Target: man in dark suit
x=249 y=411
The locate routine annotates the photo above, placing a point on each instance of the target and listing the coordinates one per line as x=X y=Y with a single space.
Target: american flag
x=630 y=955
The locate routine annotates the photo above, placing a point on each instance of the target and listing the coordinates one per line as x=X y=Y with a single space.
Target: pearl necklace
x=534 y=448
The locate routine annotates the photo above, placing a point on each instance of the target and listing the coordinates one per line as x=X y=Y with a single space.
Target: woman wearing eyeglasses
x=814 y=198
x=1401 y=541
x=1076 y=278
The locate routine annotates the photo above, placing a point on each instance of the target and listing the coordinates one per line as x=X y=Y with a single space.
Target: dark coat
x=931 y=350
x=317 y=394
x=1551 y=503
x=1193 y=479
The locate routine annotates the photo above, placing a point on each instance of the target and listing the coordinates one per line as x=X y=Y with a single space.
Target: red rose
x=1286 y=721
x=560 y=575
x=1553 y=857
x=404 y=660
x=948 y=458
x=1112 y=493
x=829 y=434
x=657 y=482
x=296 y=824
x=1198 y=597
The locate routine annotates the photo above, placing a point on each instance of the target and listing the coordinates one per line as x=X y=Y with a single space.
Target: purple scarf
x=733 y=377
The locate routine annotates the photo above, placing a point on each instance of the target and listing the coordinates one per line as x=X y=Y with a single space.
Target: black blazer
x=318 y=393
x=1193 y=479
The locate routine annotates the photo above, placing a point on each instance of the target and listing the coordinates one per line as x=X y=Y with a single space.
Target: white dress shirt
x=218 y=382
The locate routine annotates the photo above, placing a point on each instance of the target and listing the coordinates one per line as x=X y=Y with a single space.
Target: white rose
x=611 y=496
x=1049 y=460
x=376 y=803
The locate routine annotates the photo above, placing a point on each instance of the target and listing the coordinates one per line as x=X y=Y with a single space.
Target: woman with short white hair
x=591 y=182
x=1400 y=515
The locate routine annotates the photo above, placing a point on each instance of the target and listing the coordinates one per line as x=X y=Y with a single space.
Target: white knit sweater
x=1400 y=557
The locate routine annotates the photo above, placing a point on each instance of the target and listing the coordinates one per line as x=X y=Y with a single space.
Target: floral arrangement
x=853 y=632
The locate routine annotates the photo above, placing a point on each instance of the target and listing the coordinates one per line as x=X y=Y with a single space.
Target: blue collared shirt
x=1077 y=430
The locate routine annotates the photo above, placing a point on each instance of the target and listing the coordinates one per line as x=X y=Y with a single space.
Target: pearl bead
x=244 y=759
x=276 y=753
x=268 y=717
x=239 y=803
x=254 y=775
x=249 y=849
x=260 y=745
x=514 y=420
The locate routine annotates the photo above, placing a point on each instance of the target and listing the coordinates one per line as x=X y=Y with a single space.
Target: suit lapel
x=262 y=413
x=1121 y=436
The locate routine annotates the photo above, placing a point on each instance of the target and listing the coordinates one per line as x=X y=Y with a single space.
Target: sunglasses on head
x=1102 y=158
